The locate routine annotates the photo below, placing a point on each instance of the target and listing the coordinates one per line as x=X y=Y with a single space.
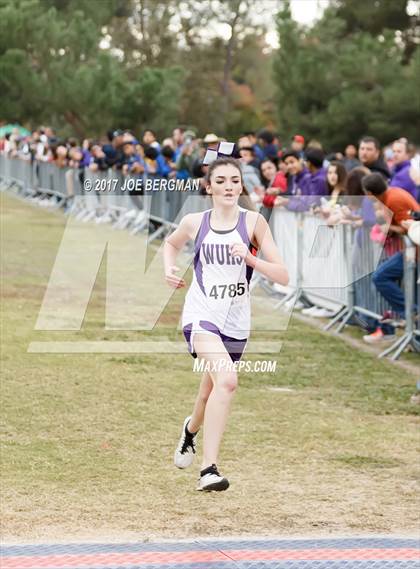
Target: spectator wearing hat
x=298 y=145
x=401 y=172
x=211 y=140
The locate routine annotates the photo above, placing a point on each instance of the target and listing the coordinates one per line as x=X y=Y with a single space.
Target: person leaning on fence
x=387 y=275
x=98 y=159
x=250 y=175
x=308 y=184
x=318 y=185
x=330 y=207
x=274 y=182
x=131 y=162
x=113 y=150
x=166 y=162
x=298 y=179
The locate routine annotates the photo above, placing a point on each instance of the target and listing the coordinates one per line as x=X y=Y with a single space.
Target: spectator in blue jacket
x=166 y=162
x=113 y=150
x=258 y=151
x=132 y=163
x=266 y=141
x=400 y=175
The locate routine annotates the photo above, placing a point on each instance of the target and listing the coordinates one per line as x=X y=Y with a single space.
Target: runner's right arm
x=173 y=245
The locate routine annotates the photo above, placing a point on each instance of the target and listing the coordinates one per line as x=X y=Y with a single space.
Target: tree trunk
x=228 y=64
x=76 y=122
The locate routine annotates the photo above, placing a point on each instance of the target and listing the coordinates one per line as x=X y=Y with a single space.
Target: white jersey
x=218 y=299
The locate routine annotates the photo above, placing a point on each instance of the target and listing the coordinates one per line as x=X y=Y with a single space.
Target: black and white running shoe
x=185 y=451
x=211 y=480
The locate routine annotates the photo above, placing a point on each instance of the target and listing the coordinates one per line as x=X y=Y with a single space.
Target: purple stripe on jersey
x=249 y=271
x=202 y=232
x=234 y=346
x=187 y=334
x=242 y=227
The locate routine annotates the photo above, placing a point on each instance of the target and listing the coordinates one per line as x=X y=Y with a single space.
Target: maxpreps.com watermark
x=138 y=184
x=259 y=366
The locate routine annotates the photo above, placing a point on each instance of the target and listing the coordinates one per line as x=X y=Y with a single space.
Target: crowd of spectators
x=273 y=172
x=297 y=176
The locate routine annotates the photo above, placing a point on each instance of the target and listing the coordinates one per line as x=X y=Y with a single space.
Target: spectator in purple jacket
x=86 y=154
x=299 y=179
x=400 y=175
x=318 y=184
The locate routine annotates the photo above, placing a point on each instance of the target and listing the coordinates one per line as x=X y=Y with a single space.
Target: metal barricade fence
x=325 y=271
x=17 y=172
x=363 y=300
x=411 y=334
x=284 y=227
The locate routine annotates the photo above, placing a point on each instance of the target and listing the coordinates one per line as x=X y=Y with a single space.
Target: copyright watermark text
x=111 y=185
x=259 y=366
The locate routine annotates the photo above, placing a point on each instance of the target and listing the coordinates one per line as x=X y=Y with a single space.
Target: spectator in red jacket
x=274 y=181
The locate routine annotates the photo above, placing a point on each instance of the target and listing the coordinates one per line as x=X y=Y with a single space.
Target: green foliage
x=373 y=16
x=53 y=70
x=80 y=65
x=338 y=80
x=87 y=65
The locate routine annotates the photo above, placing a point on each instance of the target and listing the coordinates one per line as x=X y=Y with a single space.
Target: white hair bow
x=223 y=149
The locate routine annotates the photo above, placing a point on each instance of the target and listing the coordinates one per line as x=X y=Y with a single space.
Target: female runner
x=216 y=315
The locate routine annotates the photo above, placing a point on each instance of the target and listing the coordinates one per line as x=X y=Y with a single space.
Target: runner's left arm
x=272 y=266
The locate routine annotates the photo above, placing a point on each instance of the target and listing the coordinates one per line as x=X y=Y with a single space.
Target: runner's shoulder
x=252 y=215
x=191 y=222
x=254 y=218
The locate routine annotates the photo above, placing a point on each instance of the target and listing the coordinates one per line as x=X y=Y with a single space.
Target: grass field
x=328 y=444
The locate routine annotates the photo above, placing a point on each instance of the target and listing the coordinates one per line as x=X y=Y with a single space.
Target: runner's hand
x=239 y=250
x=172 y=280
